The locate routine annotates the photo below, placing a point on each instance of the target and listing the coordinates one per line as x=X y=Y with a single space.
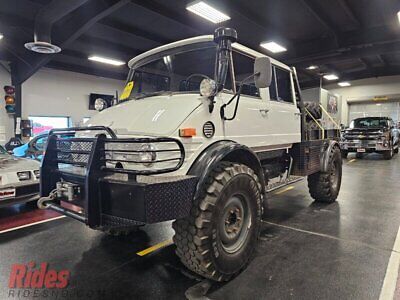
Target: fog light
x=26 y=175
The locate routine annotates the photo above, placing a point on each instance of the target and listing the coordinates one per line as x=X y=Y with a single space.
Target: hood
x=365 y=129
x=10 y=163
x=153 y=116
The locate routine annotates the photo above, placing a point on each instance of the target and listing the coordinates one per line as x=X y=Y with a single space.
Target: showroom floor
x=306 y=251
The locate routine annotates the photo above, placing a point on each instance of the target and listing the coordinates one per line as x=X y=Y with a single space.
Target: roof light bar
x=344 y=83
x=273 y=47
x=207 y=12
x=105 y=60
x=331 y=77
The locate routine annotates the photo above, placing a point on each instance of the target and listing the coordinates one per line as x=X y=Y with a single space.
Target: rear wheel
x=325 y=186
x=218 y=239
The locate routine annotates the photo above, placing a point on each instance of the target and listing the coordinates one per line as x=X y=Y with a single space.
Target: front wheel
x=218 y=239
x=388 y=154
x=325 y=186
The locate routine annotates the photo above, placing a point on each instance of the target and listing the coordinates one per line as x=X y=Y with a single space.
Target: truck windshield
x=368 y=122
x=180 y=69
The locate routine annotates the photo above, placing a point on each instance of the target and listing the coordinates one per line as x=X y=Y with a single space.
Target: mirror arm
x=239 y=92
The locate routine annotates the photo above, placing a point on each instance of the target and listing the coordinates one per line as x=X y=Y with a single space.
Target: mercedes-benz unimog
x=204 y=129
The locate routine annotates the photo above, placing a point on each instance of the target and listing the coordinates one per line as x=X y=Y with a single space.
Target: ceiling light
x=331 y=77
x=344 y=83
x=1 y=36
x=312 y=67
x=105 y=60
x=273 y=47
x=398 y=15
x=207 y=12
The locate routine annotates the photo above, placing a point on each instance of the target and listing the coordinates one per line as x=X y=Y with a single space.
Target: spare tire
x=314 y=109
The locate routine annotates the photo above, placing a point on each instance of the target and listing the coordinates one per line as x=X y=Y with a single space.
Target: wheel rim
x=334 y=178
x=235 y=223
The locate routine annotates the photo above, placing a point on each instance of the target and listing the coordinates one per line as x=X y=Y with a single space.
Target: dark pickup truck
x=371 y=134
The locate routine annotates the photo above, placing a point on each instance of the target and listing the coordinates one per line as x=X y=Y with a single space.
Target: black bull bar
x=113 y=181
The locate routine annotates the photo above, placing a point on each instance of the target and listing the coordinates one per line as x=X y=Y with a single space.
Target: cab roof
x=201 y=39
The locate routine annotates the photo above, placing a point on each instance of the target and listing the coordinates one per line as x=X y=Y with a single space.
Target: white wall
x=382 y=86
x=6 y=120
x=60 y=93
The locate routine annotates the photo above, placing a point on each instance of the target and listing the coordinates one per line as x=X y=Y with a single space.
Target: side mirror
x=262 y=72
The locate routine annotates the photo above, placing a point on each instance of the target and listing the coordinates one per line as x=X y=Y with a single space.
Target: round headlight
x=147 y=157
x=100 y=104
x=207 y=87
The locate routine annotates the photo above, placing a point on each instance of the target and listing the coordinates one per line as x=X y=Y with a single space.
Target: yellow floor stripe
x=352 y=160
x=155 y=247
x=284 y=190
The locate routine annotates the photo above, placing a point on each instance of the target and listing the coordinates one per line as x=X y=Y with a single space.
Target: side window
x=244 y=67
x=281 y=86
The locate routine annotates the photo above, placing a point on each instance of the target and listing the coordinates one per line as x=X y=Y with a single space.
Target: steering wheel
x=187 y=79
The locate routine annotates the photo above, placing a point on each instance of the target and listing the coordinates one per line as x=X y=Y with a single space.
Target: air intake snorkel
x=224 y=37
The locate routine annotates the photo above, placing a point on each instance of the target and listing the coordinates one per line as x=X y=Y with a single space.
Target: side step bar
x=277 y=185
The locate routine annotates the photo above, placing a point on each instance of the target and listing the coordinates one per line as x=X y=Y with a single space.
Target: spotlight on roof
x=207 y=12
x=105 y=60
x=331 y=77
x=273 y=47
x=312 y=67
x=344 y=83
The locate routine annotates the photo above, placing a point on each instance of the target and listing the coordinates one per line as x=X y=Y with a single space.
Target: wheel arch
x=225 y=151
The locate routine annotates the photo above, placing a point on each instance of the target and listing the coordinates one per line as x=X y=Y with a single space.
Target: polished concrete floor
x=306 y=250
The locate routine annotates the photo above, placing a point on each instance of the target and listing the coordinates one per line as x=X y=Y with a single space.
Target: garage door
x=388 y=109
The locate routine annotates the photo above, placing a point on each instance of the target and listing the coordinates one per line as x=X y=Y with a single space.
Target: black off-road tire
x=199 y=238
x=314 y=109
x=324 y=186
x=396 y=150
x=345 y=153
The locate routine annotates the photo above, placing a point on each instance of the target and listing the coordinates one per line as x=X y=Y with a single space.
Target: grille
x=74 y=151
x=208 y=129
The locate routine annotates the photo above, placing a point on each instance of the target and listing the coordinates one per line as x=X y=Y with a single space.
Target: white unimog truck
x=204 y=129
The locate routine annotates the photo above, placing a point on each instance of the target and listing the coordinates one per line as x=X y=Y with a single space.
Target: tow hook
x=43 y=202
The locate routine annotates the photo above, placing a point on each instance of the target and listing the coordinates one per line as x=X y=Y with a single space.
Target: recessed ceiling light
x=331 y=77
x=344 y=83
x=105 y=60
x=312 y=67
x=273 y=47
x=207 y=12
x=1 y=36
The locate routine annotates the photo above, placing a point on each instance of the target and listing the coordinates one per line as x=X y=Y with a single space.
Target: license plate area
x=361 y=150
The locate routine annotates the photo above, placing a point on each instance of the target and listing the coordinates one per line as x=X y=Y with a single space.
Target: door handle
x=297 y=114
x=264 y=110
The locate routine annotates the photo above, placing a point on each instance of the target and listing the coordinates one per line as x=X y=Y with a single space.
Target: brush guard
x=105 y=177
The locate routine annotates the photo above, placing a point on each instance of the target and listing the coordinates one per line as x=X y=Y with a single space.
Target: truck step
x=284 y=182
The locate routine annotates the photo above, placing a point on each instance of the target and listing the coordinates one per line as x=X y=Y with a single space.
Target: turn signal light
x=187 y=132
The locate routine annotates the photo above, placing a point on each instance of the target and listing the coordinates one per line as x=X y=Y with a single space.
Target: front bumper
x=367 y=145
x=23 y=193
x=112 y=196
